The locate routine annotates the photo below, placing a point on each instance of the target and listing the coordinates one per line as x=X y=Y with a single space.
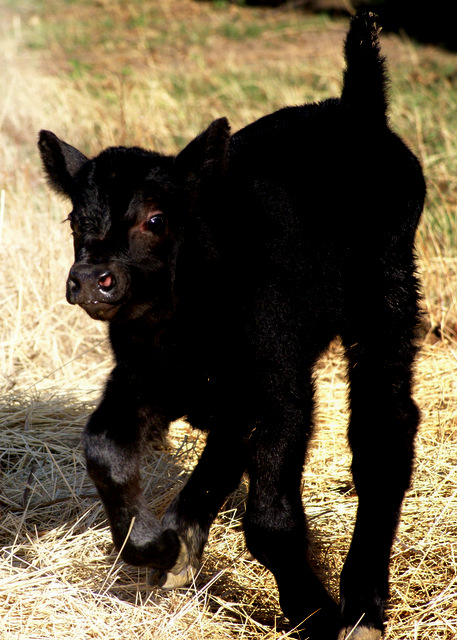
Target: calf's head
x=133 y=211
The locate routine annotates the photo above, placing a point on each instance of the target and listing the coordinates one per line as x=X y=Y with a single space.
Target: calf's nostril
x=74 y=283
x=106 y=281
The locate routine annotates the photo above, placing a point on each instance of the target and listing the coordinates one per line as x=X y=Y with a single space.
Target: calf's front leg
x=217 y=474
x=113 y=441
x=275 y=525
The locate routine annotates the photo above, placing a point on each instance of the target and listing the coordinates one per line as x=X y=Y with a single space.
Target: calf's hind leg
x=383 y=423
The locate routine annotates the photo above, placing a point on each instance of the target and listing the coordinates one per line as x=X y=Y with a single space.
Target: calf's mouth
x=99 y=310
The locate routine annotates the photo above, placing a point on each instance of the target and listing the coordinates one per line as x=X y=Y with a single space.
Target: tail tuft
x=365 y=78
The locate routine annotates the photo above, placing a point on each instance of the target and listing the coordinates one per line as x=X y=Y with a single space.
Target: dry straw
x=59 y=575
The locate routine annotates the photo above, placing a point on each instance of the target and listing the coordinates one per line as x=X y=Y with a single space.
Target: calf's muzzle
x=95 y=287
x=90 y=283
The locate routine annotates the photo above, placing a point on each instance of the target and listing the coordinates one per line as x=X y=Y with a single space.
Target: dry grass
x=157 y=83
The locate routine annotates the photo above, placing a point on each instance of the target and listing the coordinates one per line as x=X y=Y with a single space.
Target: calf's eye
x=156 y=224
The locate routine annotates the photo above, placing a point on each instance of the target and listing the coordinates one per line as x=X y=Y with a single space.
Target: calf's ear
x=206 y=157
x=61 y=162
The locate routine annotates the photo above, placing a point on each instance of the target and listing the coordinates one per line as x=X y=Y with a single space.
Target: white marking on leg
x=180 y=575
x=360 y=633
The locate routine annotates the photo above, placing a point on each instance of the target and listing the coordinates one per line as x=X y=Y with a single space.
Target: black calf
x=224 y=272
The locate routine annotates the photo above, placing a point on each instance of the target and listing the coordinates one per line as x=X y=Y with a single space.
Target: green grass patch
x=98 y=47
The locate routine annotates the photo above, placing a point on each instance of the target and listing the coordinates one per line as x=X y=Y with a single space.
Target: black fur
x=224 y=273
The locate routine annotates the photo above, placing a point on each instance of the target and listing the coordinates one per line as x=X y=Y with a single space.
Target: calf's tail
x=365 y=77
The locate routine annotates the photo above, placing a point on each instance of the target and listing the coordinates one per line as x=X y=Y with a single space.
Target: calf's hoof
x=360 y=633
x=161 y=552
x=181 y=574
